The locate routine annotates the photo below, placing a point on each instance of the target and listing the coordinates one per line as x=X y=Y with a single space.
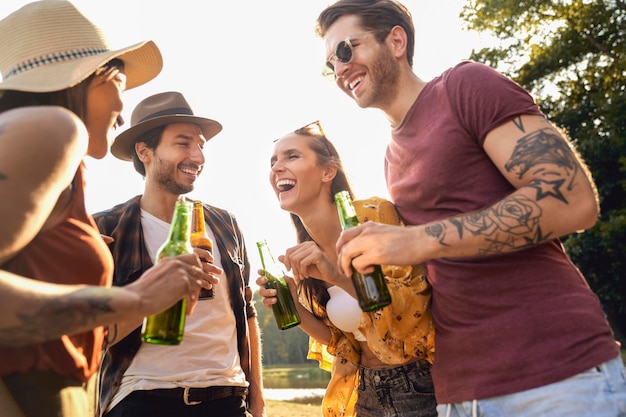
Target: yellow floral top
x=396 y=334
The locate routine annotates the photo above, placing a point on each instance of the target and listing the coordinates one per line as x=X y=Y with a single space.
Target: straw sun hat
x=159 y=110
x=50 y=45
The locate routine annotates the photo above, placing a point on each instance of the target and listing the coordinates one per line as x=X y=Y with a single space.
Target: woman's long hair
x=313 y=290
x=73 y=98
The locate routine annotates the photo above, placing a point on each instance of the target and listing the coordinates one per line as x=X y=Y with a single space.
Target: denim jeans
x=403 y=391
x=596 y=392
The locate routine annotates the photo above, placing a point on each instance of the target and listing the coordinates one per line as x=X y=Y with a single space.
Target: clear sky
x=255 y=67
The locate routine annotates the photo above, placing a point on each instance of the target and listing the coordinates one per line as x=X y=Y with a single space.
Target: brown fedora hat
x=50 y=45
x=159 y=110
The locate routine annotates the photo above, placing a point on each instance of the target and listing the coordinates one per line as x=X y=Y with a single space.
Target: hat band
x=167 y=112
x=53 y=58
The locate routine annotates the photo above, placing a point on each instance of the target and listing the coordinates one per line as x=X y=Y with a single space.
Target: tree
x=571 y=55
x=287 y=347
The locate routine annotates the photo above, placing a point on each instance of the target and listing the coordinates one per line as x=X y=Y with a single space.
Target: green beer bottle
x=371 y=289
x=167 y=327
x=284 y=309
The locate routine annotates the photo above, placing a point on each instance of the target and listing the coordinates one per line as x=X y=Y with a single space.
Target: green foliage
x=571 y=55
x=279 y=347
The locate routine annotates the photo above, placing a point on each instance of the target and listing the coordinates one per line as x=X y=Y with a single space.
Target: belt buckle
x=186 y=398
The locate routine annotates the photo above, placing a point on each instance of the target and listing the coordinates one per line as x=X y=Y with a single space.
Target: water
x=290 y=394
x=295 y=383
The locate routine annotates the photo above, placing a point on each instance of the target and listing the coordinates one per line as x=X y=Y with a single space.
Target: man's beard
x=384 y=75
x=165 y=178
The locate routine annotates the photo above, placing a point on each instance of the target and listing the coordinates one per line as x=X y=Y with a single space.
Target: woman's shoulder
x=49 y=126
x=41 y=149
x=51 y=118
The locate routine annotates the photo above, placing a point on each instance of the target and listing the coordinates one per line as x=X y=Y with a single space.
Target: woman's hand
x=307 y=260
x=268 y=294
x=173 y=278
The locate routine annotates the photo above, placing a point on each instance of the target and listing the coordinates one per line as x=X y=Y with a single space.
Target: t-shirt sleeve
x=484 y=99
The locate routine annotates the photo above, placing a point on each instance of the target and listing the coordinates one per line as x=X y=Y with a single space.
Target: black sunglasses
x=343 y=53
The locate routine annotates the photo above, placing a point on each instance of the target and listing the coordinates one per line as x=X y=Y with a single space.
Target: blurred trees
x=287 y=347
x=571 y=55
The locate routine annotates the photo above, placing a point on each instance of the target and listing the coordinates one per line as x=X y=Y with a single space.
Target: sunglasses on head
x=313 y=129
x=343 y=53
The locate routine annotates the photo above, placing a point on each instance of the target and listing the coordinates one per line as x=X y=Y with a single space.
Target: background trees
x=571 y=55
x=280 y=347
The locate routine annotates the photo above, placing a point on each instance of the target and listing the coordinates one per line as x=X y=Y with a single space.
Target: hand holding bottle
x=146 y=287
x=168 y=326
x=269 y=294
x=284 y=308
x=371 y=287
x=174 y=278
x=199 y=238
x=377 y=243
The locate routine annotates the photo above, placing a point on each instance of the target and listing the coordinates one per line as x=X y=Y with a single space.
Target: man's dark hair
x=378 y=16
x=151 y=138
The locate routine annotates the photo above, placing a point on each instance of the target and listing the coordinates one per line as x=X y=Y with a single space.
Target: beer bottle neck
x=199 y=226
x=180 y=227
x=346 y=210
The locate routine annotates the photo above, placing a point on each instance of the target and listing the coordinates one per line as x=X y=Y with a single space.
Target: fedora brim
x=123 y=146
x=142 y=63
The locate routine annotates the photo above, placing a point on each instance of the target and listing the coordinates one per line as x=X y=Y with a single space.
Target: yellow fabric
x=396 y=334
x=340 y=397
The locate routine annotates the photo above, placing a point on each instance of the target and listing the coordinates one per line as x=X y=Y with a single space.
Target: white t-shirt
x=207 y=355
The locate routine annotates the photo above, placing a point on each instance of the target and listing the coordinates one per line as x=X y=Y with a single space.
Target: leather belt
x=194 y=396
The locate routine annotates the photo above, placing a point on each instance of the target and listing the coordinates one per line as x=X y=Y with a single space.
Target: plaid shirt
x=123 y=223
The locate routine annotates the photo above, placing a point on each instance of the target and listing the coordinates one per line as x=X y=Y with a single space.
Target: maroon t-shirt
x=504 y=323
x=71 y=252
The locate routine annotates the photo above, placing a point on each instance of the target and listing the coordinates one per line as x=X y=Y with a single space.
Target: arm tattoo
x=436 y=230
x=510 y=225
x=518 y=122
x=513 y=223
x=546 y=155
x=79 y=310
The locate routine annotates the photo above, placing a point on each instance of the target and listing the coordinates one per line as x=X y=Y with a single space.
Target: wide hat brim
x=142 y=63
x=124 y=144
